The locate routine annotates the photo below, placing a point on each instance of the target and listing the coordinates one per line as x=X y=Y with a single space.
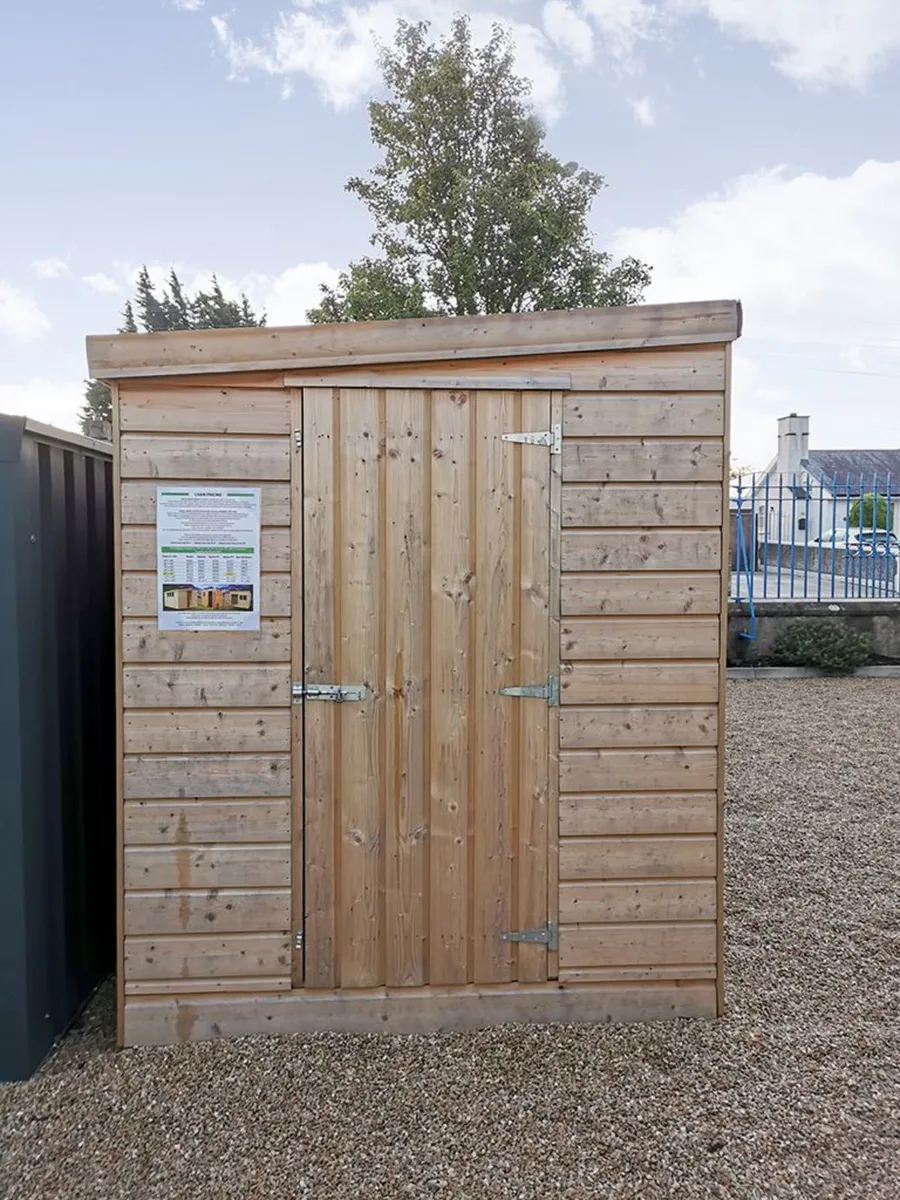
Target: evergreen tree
x=471 y=213
x=172 y=309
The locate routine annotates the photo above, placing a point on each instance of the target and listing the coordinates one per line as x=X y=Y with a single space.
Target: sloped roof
x=848 y=467
x=357 y=343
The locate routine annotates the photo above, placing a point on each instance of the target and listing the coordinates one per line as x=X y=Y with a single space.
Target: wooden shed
x=466 y=765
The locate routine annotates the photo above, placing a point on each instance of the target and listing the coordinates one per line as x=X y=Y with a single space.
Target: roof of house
x=849 y=467
x=356 y=343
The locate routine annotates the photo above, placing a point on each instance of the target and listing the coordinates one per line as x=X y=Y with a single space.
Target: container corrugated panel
x=57 y=734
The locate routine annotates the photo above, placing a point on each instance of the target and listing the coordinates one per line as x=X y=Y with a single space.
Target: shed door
x=426 y=580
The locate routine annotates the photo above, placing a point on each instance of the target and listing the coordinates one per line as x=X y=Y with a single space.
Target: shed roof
x=130 y=355
x=848 y=467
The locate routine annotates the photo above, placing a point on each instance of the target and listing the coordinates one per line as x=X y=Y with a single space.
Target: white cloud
x=816 y=42
x=287 y=297
x=50 y=268
x=623 y=24
x=337 y=48
x=188 y=5
x=816 y=262
x=644 y=111
x=45 y=401
x=569 y=31
x=103 y=284
x=21 y=319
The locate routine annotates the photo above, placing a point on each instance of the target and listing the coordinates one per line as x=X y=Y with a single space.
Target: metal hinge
x=551 y=437
x=548 y=691
x=298 y=439
x=548 y=936
x=338 y=692
x=298 y=940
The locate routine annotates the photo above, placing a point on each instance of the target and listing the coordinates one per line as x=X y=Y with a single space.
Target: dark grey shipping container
x=57 y=733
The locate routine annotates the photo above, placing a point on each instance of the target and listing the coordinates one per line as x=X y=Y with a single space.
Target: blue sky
x=751 y=148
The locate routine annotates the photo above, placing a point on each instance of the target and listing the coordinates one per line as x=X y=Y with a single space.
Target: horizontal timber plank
x=152 y=868
x=649 y=682
x=208 y=910
x=140 y=597
x=139 y=549
x=640 y=594
x=684 y=900
x=642 y=550
x=138 y=505
x=612 y=814
x=635 y=944
x=667 y=504
x=486 y=380
x=606 y=416
x=206 y=687
x=681 y=971
x=637 y=770
x=132 y=355
x=148 y=409
x=213 y=458
x=206 y=956
x=183 y=822
x=143 y=641
x=184 y=731
x=146 y=777
x=641 y=637
x=642 y=461
x=409 y=1010
x=687 y=857
x=626 y=725
x=204 y=987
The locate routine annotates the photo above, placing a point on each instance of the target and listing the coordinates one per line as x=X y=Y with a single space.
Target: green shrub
x=826 y=645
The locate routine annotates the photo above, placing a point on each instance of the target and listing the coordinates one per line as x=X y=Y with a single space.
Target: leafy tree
x=874 y=514
x=471 y=213
x=159 y=312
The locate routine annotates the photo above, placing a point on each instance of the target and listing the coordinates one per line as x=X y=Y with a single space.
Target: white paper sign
x=207 y=551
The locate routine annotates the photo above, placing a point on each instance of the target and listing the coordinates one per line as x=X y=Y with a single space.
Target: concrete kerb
x=883 y=672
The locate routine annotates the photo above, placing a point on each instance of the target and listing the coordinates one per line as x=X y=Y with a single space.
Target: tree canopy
x=158 y=310
x=471 y=213
x=872 y=513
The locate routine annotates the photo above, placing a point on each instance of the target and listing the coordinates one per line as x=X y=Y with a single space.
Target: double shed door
x=426 y=550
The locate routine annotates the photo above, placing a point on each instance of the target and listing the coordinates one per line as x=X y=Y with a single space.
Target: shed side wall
x=206 y=771
x=640 y=646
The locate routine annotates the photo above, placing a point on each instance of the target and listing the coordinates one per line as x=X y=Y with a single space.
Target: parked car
x=861 y=542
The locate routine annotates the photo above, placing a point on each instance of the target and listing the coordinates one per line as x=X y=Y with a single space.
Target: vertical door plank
x=494 y=835
x=298 y=866
x=321 y=651
x=407 y=612
x=533 y=665
x=553 y=634
x=452 y=570
x=361 y=830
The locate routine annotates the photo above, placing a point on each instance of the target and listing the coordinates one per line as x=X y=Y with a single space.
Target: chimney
x=793 y=444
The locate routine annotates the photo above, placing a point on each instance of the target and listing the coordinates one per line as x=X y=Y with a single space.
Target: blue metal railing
x=800 y=537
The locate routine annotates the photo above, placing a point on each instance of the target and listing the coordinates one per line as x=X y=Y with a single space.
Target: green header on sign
x=207 y=550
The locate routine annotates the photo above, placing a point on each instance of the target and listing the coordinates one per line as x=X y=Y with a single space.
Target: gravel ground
x=795 y=1093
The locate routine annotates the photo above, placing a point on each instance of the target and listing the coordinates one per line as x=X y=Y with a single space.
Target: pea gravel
x=795 y=1093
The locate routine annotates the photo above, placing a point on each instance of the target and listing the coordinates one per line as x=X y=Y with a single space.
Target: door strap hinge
x=338 y=692
x=548 y=691
x=551 y=437
x=548 y=936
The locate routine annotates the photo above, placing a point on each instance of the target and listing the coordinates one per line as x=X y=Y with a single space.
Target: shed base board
x=166 y=1020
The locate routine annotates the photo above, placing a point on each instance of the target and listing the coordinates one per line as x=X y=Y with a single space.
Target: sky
x=751 y=150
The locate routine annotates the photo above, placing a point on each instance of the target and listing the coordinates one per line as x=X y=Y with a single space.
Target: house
x=804 y=494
